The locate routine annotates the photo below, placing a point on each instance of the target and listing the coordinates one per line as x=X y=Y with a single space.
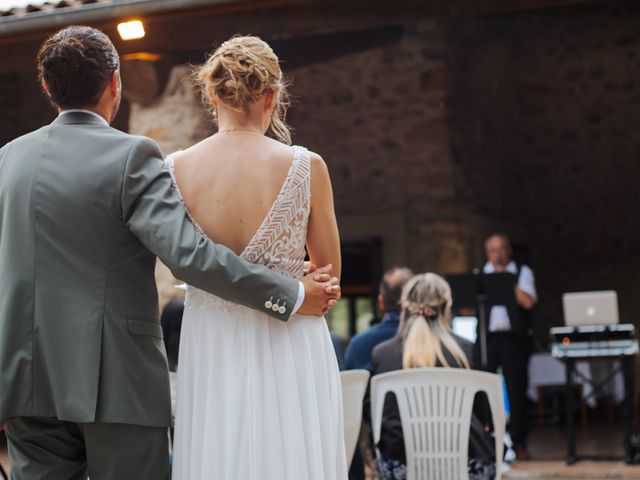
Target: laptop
x=590 y=308
x=465 y=327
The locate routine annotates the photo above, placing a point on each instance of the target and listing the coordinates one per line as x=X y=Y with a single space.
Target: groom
x=84 y=212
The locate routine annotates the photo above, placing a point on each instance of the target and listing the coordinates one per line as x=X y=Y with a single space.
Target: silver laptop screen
x=590 y=308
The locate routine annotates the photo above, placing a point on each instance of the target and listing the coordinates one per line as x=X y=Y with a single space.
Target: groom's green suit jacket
x=84 y=211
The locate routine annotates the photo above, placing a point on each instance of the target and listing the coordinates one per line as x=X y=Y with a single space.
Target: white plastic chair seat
x=435 y=411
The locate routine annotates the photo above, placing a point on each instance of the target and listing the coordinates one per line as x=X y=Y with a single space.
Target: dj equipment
x=596 y=342
x=589 y=341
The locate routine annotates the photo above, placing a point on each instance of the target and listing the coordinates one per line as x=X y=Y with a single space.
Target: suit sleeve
x=153 y=212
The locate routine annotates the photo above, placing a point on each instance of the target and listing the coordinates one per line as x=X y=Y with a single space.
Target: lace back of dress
x=280 y=241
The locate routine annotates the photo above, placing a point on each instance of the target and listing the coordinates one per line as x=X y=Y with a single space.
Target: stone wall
x=378 y=120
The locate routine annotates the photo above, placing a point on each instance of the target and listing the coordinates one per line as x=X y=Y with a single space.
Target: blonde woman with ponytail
x=426 y=322
x=258 y=396
x=424 y=339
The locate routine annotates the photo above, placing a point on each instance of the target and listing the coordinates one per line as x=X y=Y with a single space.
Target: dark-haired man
x=358 y=353
x=84 y=211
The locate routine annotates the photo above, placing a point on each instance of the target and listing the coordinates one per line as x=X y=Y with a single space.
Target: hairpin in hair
x=425 y=311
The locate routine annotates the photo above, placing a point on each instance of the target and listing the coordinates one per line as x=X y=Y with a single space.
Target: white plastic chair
x=435 y=411
x=354 y=386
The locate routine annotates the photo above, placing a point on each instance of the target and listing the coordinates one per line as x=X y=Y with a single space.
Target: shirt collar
x=489 y=268
x=77 y=110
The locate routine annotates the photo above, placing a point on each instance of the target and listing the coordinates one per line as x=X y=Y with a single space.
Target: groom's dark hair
x=76 y=65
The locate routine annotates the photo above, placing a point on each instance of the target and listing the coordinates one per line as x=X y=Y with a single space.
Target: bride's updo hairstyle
x=239 y=73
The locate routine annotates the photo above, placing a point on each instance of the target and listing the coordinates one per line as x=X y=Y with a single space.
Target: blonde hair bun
x=239 y=72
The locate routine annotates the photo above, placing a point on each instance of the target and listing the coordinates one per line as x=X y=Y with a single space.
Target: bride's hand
x=322 y=291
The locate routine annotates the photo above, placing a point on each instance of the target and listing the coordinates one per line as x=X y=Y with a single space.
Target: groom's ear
x=115 y=84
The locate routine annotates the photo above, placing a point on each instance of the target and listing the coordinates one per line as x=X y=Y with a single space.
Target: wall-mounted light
x=141 y=56
x=131 y=30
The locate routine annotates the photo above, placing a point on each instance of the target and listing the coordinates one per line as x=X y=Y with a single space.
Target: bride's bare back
x=230 y=181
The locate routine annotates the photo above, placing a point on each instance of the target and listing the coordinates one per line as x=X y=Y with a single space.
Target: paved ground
x=547 y=447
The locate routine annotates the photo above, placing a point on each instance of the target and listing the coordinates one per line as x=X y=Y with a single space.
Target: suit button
x=267 y=304
x=282 y=310
x=275 y=308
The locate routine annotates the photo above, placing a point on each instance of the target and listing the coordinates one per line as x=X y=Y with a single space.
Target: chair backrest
x=354 y=386
x=435 y=411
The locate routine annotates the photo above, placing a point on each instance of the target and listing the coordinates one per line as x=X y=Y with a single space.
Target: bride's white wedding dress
x=259 y=398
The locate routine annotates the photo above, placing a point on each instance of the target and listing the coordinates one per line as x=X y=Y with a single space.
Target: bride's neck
x=232 y=120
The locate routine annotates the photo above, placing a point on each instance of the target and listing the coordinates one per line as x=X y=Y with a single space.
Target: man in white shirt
x=509 y=337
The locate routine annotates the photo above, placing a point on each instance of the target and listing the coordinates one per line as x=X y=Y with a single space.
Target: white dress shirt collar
x=511 y=267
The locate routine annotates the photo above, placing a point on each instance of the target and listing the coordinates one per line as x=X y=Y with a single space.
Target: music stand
x=500 y=289
x=477 y=291
x=465 y=290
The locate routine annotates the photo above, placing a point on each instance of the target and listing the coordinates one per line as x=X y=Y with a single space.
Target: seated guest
x=358 y=353
x=424 y=339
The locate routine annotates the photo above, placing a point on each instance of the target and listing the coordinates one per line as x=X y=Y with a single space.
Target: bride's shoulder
x=316 y=162
x=318 y=170
x=191 y=150
x=314 y=158
x=180 y=155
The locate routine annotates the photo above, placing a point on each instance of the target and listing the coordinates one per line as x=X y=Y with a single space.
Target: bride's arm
x=323 y=241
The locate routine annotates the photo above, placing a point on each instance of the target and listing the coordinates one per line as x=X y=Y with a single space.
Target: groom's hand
x=321 y=291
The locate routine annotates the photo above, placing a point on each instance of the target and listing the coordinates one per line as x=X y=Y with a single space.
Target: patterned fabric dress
x=259 y=398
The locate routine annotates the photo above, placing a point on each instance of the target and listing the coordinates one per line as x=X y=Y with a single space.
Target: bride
x=257 y=398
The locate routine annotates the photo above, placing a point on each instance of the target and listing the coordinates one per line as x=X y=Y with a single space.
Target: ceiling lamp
x=131 y=30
